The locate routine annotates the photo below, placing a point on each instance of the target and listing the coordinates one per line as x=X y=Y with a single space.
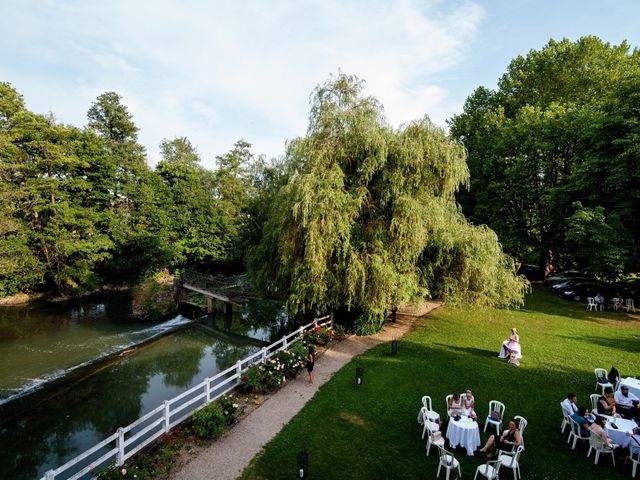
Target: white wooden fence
x=129 y=440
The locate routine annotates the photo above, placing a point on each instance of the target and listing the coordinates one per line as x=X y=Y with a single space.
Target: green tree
x=365 y=220
x=532 y=146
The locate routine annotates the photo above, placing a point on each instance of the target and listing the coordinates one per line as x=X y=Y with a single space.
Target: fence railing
x=129 y=440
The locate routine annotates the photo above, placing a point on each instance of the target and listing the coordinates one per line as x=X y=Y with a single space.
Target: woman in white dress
x=469 y=403
x=511 y=349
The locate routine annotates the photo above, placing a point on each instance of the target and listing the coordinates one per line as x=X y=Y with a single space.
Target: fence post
x=284 y=342
x=331 y=319
x=166 y=416
x=120 y=445
x=49 y=475
x=238 y=371
x=208 y=389
x=264 y=354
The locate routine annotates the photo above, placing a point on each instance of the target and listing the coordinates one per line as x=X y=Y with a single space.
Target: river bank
x=51 y=297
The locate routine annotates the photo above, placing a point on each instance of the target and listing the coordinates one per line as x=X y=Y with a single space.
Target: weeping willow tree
x=369 y=217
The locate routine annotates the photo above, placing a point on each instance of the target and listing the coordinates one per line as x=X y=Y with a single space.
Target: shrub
x=292 y=360
x=319 y=335
x=263 y=377
x=209 y=421
x=230 y=409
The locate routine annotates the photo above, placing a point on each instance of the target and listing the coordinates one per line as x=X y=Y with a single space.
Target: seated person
x=455 y=405
x=511 y=349
x=509 y=440
x=598 y=429
x=627 y=404
x=569 y=406
x=469 y=403
x=618 y=302
x=606 y=403
x=580 y=417
x=599 y=299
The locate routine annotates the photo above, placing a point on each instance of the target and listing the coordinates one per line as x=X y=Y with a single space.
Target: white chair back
x=447 y=399
x=426 y=402
x=522 y=424
x=594 y=402
x=575 y=429
x=591 y=303
x=630 y=305
x=496 y=406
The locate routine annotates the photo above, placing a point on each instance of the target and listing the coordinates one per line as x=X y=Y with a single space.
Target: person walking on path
x=311 y=361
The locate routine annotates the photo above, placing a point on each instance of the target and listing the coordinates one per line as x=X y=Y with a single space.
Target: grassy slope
x=372 y=432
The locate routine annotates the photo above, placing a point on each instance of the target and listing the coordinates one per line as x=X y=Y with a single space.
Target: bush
x=230 y=409
x=319 y=335
x=209 y=421
x=292 y=360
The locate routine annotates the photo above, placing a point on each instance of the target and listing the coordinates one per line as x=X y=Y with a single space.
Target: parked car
x=565 y=276
x=532 y=272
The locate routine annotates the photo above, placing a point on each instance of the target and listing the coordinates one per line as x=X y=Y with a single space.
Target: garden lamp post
x=303 y=464
x=394 y=312
x=359 y=373
x=394 y=346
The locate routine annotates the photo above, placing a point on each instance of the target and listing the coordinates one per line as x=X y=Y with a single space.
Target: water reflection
x=46 y=429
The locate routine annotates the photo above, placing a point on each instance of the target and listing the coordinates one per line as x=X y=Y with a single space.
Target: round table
x=464 y=432
x=619 y=436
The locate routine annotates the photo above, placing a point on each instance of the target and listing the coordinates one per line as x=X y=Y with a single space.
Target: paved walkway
x=226 y=458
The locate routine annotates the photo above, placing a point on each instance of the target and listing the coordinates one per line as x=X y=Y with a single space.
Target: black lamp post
x=394 y=312
x=394 y=347
x=359 y=374
x=303 y=464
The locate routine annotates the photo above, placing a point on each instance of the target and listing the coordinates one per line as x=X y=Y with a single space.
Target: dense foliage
x=554 y=157
x=368 y=217
x=81 y=207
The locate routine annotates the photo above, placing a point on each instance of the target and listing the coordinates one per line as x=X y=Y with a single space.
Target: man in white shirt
x=627 y=404
x=569 y=406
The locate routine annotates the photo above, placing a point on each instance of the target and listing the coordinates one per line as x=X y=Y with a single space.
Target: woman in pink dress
x=511 y=348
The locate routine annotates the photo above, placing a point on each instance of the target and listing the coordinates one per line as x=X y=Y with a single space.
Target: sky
x=216 y=72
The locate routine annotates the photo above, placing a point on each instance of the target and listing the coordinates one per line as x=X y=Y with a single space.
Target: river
x=71 y=374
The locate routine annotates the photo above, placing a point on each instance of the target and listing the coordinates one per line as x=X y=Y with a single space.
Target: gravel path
x=226 y=458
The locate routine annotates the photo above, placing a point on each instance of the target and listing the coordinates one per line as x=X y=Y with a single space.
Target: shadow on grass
x=479 y=352
x=625 y=344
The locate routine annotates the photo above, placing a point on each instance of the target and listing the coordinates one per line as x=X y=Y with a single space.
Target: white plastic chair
x=565 y=420
x=495 y=405
x=433 y=415
x=634 y=456
x=596 y=443
x=449 y=462
x=430 y=441
x=522 y=424
x=591 y=303
x=426 y=423
x=602 y=373
x=594 y=402
x=630 y=305
x=489 y=470
x=446 y=401
x=512 y=461
x=576 y=433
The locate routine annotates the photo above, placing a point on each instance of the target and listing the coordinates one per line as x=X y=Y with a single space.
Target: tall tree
x=369 y=218
x=528 y=140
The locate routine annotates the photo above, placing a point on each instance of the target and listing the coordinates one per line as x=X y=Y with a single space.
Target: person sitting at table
x=597 y=428
x=618 y=302
x=627 y=404
x=606 y=403
x=569 y=406
x=511 y=349
x=469 y=404
x=456 y=406
x=509 y=440
x=580 y=417
x=599 y=299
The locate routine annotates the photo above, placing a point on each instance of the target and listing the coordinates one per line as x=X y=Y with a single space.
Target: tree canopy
x=368 y=217
x=553 y=156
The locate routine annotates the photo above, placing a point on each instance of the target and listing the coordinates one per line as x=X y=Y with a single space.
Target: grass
x=371 y=431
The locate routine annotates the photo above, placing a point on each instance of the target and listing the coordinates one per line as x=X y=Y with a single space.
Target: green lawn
x=371 y=432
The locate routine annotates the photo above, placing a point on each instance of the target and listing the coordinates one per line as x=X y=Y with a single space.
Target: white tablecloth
x=464 y=432
x=633 y=384
x=619 y=436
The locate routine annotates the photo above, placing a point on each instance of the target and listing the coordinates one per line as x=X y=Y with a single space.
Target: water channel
x=71 y=374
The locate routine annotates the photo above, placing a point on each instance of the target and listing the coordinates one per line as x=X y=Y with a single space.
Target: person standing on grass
x=311 y=361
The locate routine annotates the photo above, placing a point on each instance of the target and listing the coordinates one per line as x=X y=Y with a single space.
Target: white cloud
x=217 y=72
